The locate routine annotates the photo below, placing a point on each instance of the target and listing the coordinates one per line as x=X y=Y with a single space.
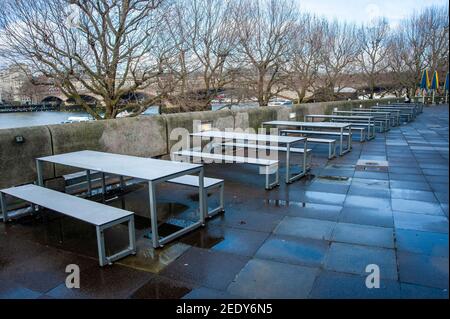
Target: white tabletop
x=324 y=116
x=361 y=111
x=251 y=137
x=394 y=107
x=369 y=111
x=124 y=165
x=309 y=124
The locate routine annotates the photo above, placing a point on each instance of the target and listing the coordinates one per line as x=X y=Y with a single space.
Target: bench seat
x=99 y=215
x=271 y=147
x=209 y=184
x=270 y=166
x=313 y=132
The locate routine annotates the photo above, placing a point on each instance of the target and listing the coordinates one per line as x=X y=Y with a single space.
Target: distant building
x=12 y=80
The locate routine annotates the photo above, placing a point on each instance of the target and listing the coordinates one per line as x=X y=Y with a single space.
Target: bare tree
x=103 y=47
x=406 y=54
x=338 y=55
x=206 y=37
x=373 y=39
x=303 y=56
x=436 y=28
x=265 y=29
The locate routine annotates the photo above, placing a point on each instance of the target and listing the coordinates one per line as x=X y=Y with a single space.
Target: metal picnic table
x=327 y=125
x=262 y=139
x=154 y=171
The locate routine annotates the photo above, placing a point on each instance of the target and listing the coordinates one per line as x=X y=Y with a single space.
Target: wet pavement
x=310 y=239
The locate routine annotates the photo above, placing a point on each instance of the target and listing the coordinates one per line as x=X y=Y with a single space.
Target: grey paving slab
x=305 y=228
x=301 y=251
x=313 y=210
x=421 y=186
x=421 y=222
x=354 y=259
x=364 y=235
x=410 y=291
x=368 y=202
x=423 y=270
x=420 y=242
x=413 y=195
x=371 y=175
x=208 y=293
x=286 y=281
x=369 y=192
x=366 y=216
x=335 y=285
x=416 y=206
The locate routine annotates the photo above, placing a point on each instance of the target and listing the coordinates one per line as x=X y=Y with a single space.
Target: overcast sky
x=360 y=11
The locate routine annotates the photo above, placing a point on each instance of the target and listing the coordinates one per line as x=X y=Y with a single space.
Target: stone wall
x=147 y=136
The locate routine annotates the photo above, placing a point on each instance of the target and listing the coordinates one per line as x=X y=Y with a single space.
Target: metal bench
x=99 y=215
x=331 y=147
x=209 y=185
x=272 y=148
x=381 y=124
x=394 y=115
x=270 y=166
x=362 y=132
x=331 y=143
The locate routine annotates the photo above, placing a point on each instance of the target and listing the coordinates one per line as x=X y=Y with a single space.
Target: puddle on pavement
x=206 y=237
x=283 y=203
x=153 y=260
x=334 y=179
x=340 y=166
x=372 y=165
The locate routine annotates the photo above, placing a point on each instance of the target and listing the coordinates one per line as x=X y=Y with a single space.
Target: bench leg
x=131 y=236
x=221 y=207
x=101 y=247
x=103 y=187
x=276 y=183
x=331 y=150
x=3 y=207
x=131 y=249
x=89 y=182
x=122 y=183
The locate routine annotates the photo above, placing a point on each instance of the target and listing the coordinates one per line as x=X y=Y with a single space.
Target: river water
x=27 y=119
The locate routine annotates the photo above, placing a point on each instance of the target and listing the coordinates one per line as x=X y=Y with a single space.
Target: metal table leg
x=290 y=179
x=153 y=214
x=89 y=182
x=3 y=207
x=40 y=178
x=202 y=196
x=288 y=163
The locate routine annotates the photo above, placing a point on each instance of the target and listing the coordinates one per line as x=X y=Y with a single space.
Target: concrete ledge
x=220 y=119
x=140 y=136
x=17 y=160
x=254 y=117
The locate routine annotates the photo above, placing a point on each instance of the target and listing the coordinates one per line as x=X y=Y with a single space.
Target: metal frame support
x=130 y=250
x=268 y=172
x=156 y=240
x=219 y=209
x=40 y=177
x=3 y=208
x=290 y=179
x=103 y=187
x=89 y=182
